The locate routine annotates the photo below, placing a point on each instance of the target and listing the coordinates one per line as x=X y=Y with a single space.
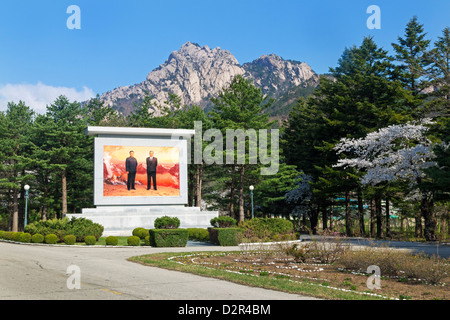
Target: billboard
x=140 y=171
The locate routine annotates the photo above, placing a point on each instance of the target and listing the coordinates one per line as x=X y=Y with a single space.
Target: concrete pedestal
x=120 y=221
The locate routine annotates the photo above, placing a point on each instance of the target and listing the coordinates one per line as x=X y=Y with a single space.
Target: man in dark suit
x=130 y=168
x=152 y=163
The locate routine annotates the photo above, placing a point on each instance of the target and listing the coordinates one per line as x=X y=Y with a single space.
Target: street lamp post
x=26 y=187
x=251 y=193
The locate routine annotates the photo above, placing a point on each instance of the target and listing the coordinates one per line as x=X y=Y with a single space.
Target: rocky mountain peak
x=197 y=73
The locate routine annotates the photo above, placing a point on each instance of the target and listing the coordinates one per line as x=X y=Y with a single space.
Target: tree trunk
x=241 y=193
x=430 y=219
x=64 y=194
x=378 y=211
x=418 y=225
x=313 y=220
x=198 y=187
x=331 y=214
x=372 y=218
x=15 y=224
x=324 y=218
x=232 y=192
x=388 y=223
x=348 y=219
x=362 y=227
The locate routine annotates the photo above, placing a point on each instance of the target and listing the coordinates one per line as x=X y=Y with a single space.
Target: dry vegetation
x=336 y=266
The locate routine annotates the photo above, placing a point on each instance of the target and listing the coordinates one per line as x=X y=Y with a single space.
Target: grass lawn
x=282 y=283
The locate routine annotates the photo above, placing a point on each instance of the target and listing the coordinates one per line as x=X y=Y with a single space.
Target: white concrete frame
x=139 y=137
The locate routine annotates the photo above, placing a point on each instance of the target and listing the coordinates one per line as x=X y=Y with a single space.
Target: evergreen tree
x=15 y=160
x=239 y=106
x=411 y=52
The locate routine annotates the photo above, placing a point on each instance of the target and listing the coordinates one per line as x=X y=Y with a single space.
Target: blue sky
x=121 y=41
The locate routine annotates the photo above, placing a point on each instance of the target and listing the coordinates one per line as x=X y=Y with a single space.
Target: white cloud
x=38 y=96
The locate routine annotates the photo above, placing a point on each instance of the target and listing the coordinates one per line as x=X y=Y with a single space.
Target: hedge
x=226 y=236
x=79 y=227
x=168 y=237
x=15 y=236
x=199 y=234
x=268 y=229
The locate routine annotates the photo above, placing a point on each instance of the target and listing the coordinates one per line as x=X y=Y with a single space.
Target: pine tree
x=411 y=52
x=15 y=160
x=239 y=106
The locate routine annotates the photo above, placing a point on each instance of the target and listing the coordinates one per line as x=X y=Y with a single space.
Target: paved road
x=40 y=273
x=428 y=248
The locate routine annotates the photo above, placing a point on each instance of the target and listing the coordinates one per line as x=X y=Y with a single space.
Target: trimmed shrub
x=147 y=240
x=268 y=229
x=37 y=238
x=136 y=231
x=134 y=241
x=9 y=235
x=90 y=240
x=168 y=237
x=16 y=236
x=112 y=241
x=198 y=234
x=226 y=236
x=142 y=233
x=51 y=239
x=167 y=223
x=223 y=222
x=2 y=234
x=70 y=239
x=25 y=237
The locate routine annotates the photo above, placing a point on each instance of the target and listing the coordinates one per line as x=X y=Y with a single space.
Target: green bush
x=51 y=239
x=37 y=238
x=2 y=234
x=199 y=234
x=134 y=241
x=9 y=235
x=268 y=229
x=16 y=236
x=136 y=231
x=167 y=223
x=90 y=240
x=25 y=237
x=168 y=237
x=147 y=240
x=223 y=222
x=226 y=236
x=70 y=239
x=141 y=233
x=79 y=227
x=112 y=241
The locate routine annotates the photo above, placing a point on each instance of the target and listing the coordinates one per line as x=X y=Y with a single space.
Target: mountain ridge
x=197 y=73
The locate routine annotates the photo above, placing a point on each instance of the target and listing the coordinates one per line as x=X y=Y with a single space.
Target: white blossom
x=391 y=153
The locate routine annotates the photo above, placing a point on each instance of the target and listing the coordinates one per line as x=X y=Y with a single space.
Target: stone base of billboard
x=120 y=221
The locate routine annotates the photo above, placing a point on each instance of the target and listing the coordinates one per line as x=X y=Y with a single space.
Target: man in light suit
x=152 y=163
